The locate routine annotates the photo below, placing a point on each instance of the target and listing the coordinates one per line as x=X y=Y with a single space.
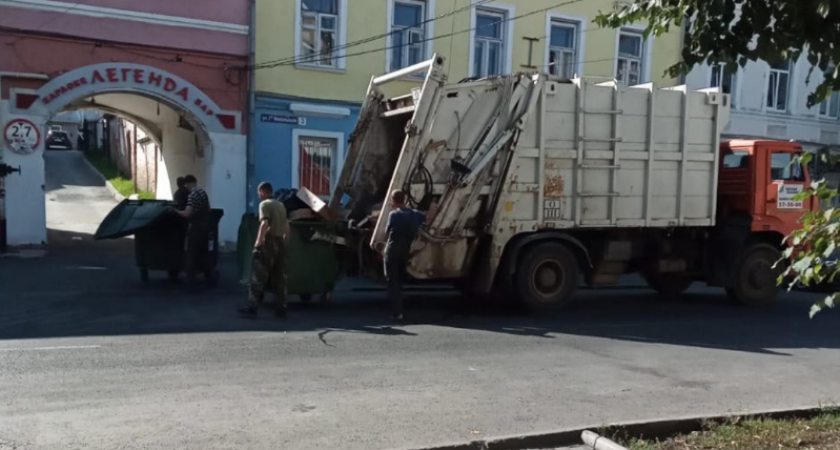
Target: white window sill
x=320 y=68
x=778 y=112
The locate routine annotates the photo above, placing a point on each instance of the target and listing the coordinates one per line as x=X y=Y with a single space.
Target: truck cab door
x=786 y=178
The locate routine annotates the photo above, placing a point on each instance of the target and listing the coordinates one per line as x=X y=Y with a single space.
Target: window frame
x=645 y=47
x=788 y=92
x=340 y=149
x=507 y=12
x=835 y=96
x=791 y=166
x=742 y=154
x=716 y=75
x=553 y=19
x=428 y=31
x=341 y=39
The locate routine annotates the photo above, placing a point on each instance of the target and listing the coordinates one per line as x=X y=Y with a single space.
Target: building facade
x=315 y=59
x=175 y=70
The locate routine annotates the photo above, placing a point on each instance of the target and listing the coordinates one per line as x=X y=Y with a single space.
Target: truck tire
x=668 y=284
x=754 y=282
x=546 y=277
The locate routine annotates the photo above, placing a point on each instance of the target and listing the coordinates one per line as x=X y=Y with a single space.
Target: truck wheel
x=669 y=284
x=755 y=277
x=546 y=277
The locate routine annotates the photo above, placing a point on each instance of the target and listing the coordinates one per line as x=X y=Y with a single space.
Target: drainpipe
x=252 y=116
x=24 y=76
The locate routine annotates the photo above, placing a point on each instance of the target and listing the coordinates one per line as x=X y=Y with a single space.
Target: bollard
x=598 y=442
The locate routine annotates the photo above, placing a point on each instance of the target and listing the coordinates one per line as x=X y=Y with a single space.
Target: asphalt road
x=92 y=358
x=76 y=196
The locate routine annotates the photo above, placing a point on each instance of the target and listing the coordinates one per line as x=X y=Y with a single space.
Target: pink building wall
x=52 y=56
x=219 y=26
x=206 y=46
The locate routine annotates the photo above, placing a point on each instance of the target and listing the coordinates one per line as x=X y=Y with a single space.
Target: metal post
x=252 y=116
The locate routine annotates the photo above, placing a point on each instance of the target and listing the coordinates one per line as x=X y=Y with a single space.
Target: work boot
x=248 y=313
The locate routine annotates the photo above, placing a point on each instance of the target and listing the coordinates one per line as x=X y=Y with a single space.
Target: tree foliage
x=735 y=32
x=811 y=260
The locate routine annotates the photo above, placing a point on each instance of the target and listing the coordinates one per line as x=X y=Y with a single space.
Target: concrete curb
x=656 y=429
x=116 y=194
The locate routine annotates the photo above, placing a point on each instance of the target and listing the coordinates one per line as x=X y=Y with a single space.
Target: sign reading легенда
x=127 y=76
x=787 y=193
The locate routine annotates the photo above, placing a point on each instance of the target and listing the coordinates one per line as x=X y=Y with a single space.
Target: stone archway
x=224 y=145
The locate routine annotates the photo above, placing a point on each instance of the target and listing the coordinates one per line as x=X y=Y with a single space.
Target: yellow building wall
x=365 y=18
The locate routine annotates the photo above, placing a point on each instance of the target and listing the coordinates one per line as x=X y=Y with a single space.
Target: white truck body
x=527 y=153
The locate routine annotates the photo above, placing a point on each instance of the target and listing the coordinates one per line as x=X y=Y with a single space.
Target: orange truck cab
x=758 y=182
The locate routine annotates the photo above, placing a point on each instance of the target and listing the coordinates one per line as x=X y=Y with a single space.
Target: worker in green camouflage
x=269 y=266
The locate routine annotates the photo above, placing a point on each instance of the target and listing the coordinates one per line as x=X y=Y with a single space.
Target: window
x=778 y=86
x=830 y=109
x=562 y=53
x=781 y=168
x=315 y=163
x=319 y=32
x=630 y=61
x=723 y=78
x=408 y=33
x=736 y=160
x=489 y=45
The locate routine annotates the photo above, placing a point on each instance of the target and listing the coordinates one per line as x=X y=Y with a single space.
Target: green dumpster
x=159 y=236
x=314 y=255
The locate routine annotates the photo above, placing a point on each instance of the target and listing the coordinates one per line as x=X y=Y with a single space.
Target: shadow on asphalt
x=90 y=288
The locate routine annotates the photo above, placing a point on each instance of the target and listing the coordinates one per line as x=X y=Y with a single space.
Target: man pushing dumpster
x=269 y=254
x=197 y=214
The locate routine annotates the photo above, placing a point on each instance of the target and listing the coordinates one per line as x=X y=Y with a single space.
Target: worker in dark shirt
x=197 y=213
x=403 y=225
x=181 y=195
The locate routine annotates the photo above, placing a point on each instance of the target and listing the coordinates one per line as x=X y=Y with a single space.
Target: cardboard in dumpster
x=316 y=204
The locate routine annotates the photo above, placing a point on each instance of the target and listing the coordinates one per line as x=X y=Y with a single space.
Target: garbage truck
x=542 y=183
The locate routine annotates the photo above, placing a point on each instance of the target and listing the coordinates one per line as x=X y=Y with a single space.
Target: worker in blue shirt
x=403 y=225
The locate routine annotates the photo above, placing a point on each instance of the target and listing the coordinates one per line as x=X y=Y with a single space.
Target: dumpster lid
x=131 y=216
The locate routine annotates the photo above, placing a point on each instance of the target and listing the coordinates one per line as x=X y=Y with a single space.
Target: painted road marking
x=61 y=347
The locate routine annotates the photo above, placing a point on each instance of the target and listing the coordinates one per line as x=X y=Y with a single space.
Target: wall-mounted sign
x=22 y=136
x=787 y=193
x=88 y=81
x=289 y=120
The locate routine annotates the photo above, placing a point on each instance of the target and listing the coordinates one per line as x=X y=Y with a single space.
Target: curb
x=117 y=196
x=662 y=428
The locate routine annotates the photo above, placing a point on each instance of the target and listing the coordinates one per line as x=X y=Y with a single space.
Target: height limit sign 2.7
x=22 y=136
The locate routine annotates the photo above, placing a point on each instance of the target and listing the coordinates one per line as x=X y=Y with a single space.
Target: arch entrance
x=192 y=133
